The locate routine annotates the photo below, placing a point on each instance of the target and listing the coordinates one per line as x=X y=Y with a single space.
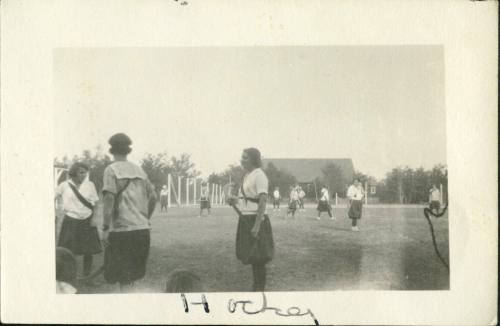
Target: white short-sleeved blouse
x=254 y=184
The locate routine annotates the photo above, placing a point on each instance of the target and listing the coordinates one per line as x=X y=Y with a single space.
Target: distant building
x=306 y=170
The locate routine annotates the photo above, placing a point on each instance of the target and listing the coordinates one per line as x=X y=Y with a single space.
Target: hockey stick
x=427 y=212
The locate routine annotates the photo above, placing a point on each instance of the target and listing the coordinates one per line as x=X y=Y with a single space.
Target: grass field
x=393 y=251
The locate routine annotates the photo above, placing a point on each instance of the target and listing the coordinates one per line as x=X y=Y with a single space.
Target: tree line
x=403 y=185
x=156 y=166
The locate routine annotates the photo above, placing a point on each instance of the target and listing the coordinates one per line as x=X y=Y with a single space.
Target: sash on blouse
x=82 y=199
x=118 y=193
x=253 y=200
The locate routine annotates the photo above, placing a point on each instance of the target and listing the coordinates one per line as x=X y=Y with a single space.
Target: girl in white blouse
x=254 y=237
x=324 y=203
x=355 y=194
x=77 y=197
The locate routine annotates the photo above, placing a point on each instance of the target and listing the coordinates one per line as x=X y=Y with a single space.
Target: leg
x=330 y=213
x=135 y=255
x=259 y=277
x=87 y=264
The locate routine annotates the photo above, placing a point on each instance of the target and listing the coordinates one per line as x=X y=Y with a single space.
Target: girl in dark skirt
x=324 y=204
x=276 y=198
x=254 y=236
x=164 y=198
x=77 y=196
x=355 y=194
x=293 y=203
x=204 y=199
x=129 y=203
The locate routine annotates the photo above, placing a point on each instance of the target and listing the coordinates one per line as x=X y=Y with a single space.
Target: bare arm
x=151 y=205
x=261 y=209
x=108 y=208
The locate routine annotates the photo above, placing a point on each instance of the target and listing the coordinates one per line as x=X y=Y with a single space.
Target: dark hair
x=120 y=144
x=356 y=179
x=73 y=170
x=65 y=265
x=183 y=281
x=254 y=156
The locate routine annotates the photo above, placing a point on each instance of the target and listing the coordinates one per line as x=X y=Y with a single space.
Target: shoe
x=199 y=215
x=355 y=229
x=333 y=218
x=318 y=218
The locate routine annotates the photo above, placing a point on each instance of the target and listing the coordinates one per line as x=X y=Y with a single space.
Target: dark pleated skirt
x=435 y=205
x=356 y=209
x=79 y=236
x=323 y=206
x=252 y=250
x=126 y=255
x=205 y=204
x=292 y=205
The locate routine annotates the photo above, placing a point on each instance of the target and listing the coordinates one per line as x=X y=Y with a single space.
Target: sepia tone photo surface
x=236 y=162
x=236 y=169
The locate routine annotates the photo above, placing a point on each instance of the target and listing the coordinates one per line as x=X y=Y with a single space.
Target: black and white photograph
x=229 y=162
x=250 y=169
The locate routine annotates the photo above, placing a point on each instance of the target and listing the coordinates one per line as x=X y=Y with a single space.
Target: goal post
x=185 y=191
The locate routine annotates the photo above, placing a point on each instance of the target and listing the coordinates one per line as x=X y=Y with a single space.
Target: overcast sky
x=381 y=106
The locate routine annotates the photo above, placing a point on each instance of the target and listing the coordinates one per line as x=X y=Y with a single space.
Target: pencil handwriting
x=248 y=307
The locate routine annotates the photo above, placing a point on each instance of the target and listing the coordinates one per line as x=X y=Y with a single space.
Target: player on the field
x=434 y=199
x=302 y=195
x=324 y=203
x=78 y=197
x=293 y=203
x=276 y=198
x=205 y=199
x=129 y=201
x=355 y=194
x=164 y=198
x=254 y=236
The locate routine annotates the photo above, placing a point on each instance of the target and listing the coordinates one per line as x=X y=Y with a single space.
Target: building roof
x=308 y=169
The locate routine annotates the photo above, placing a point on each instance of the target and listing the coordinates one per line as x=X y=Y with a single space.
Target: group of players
x=355 y=195
x=296 y=198
x=129 y=200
